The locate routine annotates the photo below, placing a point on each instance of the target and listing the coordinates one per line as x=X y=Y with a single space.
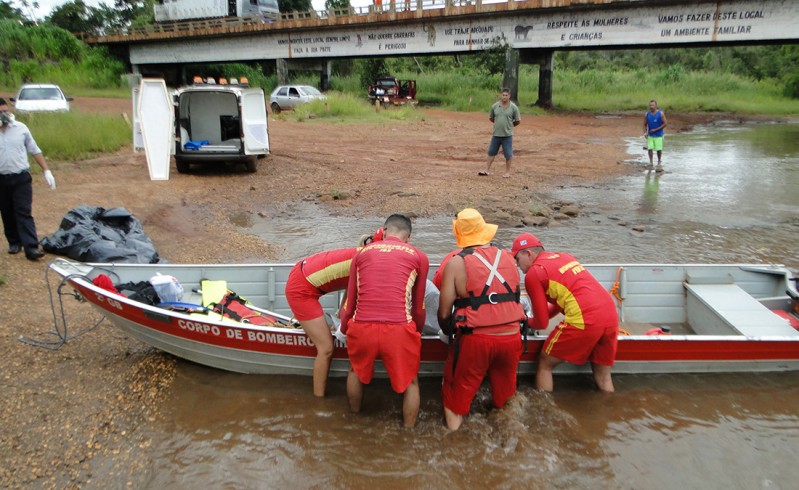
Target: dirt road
x=65 y=414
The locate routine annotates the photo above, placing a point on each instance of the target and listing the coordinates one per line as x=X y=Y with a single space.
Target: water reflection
x=728 y=195
x=649 y=200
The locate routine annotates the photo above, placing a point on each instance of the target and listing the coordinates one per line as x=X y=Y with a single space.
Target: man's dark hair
x=398 y=222
x=505 y=89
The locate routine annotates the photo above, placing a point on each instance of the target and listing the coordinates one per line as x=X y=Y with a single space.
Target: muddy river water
x=728 y=195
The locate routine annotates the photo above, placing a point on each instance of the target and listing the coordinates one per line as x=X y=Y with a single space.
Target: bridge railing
x=378 y=7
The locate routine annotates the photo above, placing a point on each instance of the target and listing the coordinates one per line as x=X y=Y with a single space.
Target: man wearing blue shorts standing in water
x=505 y=116
x=654 y=123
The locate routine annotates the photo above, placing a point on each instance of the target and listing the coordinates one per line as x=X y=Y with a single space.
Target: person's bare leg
x=410 y=403
x=651 y=157
x=452 y=419
x=602 y=377
x=488 y=164
x=660 y=156
x=319 y=332
x=354 y=391
x=507 y=168
x=543 y=374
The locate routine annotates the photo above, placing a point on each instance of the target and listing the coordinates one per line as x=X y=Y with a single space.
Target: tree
x=135 y=12
x=8 y=11
x=71 y=16
x=337 y=4
x=371 y=69
x=295 y=5
x=30 y=8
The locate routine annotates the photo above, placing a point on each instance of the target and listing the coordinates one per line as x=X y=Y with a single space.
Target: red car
x=391 y=91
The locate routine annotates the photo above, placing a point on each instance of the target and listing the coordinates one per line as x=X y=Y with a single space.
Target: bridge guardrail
x=379 y=7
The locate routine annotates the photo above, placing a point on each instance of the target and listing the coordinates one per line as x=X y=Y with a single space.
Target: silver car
x=290 y=96
x=41 y=97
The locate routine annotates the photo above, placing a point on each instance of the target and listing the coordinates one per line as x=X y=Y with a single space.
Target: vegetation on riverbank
x=76 y=136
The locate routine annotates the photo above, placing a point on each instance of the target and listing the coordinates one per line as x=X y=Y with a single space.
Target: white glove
x=340 y=336
x=443 y=337
x=48 y=177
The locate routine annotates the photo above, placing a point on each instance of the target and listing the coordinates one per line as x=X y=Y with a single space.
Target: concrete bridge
x=533 y=29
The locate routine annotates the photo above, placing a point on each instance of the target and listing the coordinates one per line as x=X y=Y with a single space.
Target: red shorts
x=576 y=346
x=302 y=296
x=496 y=355
x=399 y=346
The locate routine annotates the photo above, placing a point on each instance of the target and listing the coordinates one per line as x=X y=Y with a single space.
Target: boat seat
x=725 y=309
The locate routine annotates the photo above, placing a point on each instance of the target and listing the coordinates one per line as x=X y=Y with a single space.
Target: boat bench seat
x=726 y=309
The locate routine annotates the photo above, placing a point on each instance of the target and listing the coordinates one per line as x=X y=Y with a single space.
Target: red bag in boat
x=235 y=307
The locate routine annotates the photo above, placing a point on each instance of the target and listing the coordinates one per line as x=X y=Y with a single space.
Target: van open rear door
x=254 y=121
x=156 y=118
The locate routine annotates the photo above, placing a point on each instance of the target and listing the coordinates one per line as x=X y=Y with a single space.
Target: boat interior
x=715 y=300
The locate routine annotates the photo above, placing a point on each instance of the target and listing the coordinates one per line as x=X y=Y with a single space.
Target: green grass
x=593 y=90
x=76 y=136
x=340 y=106
x=674 y=89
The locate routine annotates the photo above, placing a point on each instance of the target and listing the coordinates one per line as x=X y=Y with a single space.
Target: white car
x=34 y=97
x=290 y=96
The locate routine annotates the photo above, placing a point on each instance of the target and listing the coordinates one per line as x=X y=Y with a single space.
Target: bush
x=792 y=86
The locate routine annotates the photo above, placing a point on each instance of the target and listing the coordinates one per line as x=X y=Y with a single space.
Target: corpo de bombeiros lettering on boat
x=722 y=318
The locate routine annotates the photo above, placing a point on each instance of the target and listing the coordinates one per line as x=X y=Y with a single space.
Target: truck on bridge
x=178 y=10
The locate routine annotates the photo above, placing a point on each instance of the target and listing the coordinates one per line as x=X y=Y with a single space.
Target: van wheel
x=251 y=164
x=182 y=166
x=275 y=108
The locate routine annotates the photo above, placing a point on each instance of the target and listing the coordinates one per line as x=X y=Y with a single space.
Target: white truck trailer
x=177 y=10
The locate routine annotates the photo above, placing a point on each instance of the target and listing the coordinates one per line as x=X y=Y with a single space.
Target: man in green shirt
x=505 y=115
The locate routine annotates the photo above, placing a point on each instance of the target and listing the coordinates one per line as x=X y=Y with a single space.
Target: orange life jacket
x=493 y=284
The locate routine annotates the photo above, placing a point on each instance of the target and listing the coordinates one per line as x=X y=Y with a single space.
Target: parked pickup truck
x=391 y=91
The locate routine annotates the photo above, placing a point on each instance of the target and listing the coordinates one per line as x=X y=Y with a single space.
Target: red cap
x=525 y=240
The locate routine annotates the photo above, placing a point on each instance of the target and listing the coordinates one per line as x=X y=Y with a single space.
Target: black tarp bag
x=95 y=234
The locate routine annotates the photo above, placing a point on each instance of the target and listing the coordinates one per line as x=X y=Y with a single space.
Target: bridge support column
x=543 y=58
x=545 y=80
x=324 y=82
x=510 y=77
x=282 y=71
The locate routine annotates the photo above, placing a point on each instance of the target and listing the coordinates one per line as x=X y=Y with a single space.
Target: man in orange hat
x=385 y=315
x=558 y=283
x=482 y=283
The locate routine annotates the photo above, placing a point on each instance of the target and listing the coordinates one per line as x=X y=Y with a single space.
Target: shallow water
x=729 y=195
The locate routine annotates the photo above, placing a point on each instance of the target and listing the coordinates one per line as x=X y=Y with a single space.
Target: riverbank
x=77 y=416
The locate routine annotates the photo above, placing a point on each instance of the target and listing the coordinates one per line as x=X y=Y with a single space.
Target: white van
x=200 y=124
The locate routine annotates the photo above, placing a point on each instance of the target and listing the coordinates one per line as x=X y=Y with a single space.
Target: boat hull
x=244 y=348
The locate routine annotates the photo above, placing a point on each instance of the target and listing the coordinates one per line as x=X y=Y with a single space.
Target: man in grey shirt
x=505 y=116
x=16 y=190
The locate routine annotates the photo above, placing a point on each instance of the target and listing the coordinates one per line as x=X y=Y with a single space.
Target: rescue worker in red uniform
x=309 y=280
x=385 y=315
x=558 y=283
x=483 y=285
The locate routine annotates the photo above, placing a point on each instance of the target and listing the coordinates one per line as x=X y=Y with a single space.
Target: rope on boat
x=60 y=330
x=615 y=289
